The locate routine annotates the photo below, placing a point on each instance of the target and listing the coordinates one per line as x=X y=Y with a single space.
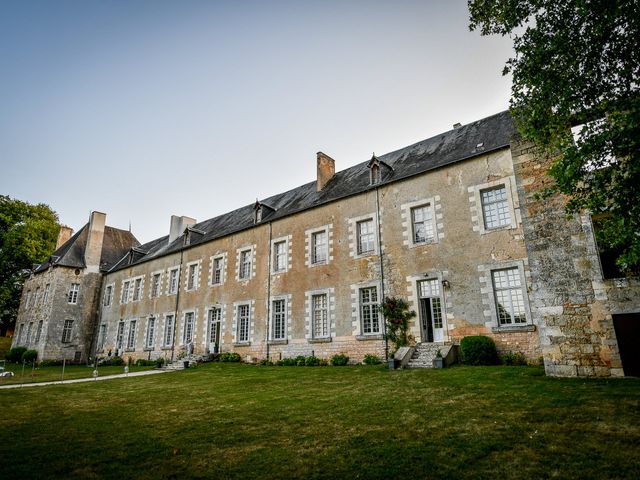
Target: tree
x=28 y=235
x=576 y=65
x=397 y=314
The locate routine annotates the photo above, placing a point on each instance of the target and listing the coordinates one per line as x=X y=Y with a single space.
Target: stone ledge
x=319 y=340
x=514 y=329
x=277 y=342
x=241 y=344
x=370 y=337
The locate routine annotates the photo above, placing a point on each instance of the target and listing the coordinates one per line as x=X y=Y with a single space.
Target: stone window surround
x=356 y=320
x=131 y=322
x=407 y=221
x=252 y=258
x=132 y=286
x=150 y=346
x=196 y=281
x=446 y=305
x=169 y=271
x=183 y=325
x=288 y=315
x=74 y=294
x=223 y=274
x=328 y=229
x=223 y=317
x=331 y=315
x=287 y=248
x=236 y=305
x=477 y=214
x=489 y=297
x=353 y=235
x=104 y=297
x=166 y=346
x=160 y=279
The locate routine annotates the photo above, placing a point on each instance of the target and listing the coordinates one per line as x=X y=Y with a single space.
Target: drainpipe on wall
x=175 y=315
x=386 y=340
x=268 y=291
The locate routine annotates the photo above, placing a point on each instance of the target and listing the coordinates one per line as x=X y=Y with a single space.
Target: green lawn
x=236 y=421
x=54 y=374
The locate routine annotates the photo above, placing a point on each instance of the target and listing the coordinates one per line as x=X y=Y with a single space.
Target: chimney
x=63 y=235
x=95 y=236
x=326 y=170
x=178 y=225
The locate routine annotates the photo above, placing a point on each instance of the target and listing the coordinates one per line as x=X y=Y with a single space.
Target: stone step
x=425 y=353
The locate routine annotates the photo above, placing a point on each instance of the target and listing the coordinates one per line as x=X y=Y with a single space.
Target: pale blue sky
x=144 y=109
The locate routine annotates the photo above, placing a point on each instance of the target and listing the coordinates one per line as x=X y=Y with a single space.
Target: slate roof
x=115 y=244
x=480 y=137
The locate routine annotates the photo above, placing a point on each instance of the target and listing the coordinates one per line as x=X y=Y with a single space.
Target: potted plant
x=438 y=362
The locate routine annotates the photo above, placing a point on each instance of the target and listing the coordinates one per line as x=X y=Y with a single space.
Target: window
x=168 y=330
x=131 y=340
x=27 y=299
x=366 y=236
x=29 y=329
x=319 y=247
x=216 y=274
x=369 y=311
x=280 y=256
x=509 y=297
x=73 y=293
x=125 y=292
x=242 y=333
x=120 y=335
x=20 y=332
x=215 y=315
x=244 y=267
x=102 y=336
x=278 y=319
x=187 y=335
x=422 y=224
x=173 y=281
x=151 y=331
x=35 y=297
x=155 y=285
x=39 y=331
x=137 y=289
x=108 y=295
x=45 y=298
x=66 y=331
x=319 y=317
x=495 y=207
x=192 y=273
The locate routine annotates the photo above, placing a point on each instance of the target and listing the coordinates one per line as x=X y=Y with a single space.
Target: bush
x=15 y=354
x=113 y=361
x=265 y=362
x=478 y=350
x=230 y=357
x=29 y=356
x=339 y=360
x=159 y=362
x=511 y=358
x=50 y=363
x=370 y=359
x=312 y=361
x=286 y=362
x=141 y=362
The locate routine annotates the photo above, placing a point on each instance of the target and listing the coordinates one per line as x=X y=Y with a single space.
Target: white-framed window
x=422 y=224
x=280 y=256
x=73 y=293
x=217 y=270
x=366 y=238
x=243 y=321
x=213 y=318
x=509 y=296
x=137 y=289
x=108 y=295
x=173 y=281
x=45 y=298
x=102 y=336
x=168 y=330
x=120 y=335
x=369 y=314
x=187 y=333
x=151 y=332
x=27 y=299
x=39 y=331
x=155 y=284
x=319 y=315
x=36 y=297
x=124 y=297
x=319 y=247
x=279 y=319
x=29 y=330
x=66 y=331
x=131 y=339
x=495 y=207
x=244 y=264
x=192 y=276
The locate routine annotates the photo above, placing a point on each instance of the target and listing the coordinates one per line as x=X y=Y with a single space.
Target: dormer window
x=374 y=174
x=375 y=170
x=260 y=211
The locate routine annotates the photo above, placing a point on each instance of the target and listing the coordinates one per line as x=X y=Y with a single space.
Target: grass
x=54 y=374
x=239 y=421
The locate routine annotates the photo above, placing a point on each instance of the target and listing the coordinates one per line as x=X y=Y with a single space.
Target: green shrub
x=286 y=362
x=230 y=357
x=265 y=362
x=339 y=360
x=141 y=362
x=112 y=361
x=312 y=361
x=478 y=350
x=15 y=354
x=300 y=360
x=29 y=356
x=511 y=358
x=50 y=363
x=370 y=359
x=159 y=362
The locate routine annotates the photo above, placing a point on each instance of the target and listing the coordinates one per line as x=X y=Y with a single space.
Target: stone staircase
x=424 y=354
x=179 y=364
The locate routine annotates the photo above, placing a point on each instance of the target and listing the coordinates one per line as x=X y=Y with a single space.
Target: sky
x=147 y=109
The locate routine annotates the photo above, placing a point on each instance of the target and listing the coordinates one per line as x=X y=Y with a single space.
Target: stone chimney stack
x=326 y=170
x=95 y=236
x=178 y=225
x=63 y=235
